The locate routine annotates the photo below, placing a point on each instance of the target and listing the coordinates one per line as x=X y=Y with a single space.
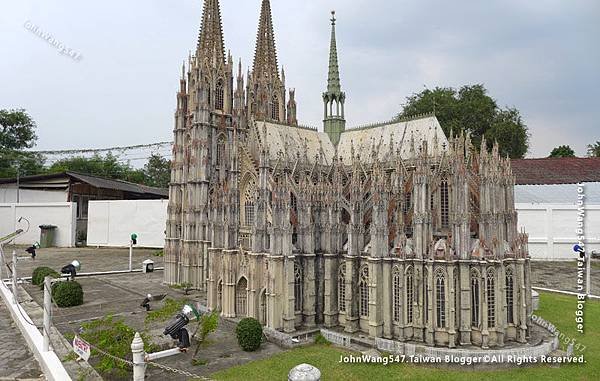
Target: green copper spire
x=333 y=81
x=334 y=98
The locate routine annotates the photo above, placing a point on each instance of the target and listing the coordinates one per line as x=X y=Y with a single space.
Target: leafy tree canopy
x=157 y=171
x=471 y=109
x=594 y=149
x=17 y=132
x=562 y=151
x=108 y=166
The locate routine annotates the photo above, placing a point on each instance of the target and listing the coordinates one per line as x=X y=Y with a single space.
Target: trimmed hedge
x=39 y=273
x=67 y=294
x=249 y=334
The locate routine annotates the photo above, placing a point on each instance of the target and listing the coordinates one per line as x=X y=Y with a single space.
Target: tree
x=157 y=171
x=594 y=149
x=510 y=133
x=17 y=132
x=562 y=151
x=471 y=109
x=108 y=166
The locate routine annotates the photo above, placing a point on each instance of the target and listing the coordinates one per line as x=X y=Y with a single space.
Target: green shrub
x=67 y=294
x=38 y=275
x=112 y=335
x=167 y=311
x=320 y=339
x=249 y=334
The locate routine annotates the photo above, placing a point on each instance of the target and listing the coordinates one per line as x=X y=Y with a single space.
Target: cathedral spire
x=333 y=80
x=265 y=54
x=266 y=88
x=334 y=98
x=210 y=39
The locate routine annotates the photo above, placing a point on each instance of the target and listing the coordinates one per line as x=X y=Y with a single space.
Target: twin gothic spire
x=266 y=87
x=211 y=42
x=210 y=39
x=265 y=54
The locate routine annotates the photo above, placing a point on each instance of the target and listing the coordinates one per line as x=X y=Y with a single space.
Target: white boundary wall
x=60 y=214
x=110 y=223
x=552 y=229
x=50 y=363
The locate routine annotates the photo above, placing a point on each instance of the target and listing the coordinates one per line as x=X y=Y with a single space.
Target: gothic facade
x=391 y=230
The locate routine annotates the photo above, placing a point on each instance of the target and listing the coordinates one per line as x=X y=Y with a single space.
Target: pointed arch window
x=249 y=212
x=510 y=319
x=396 y=296
x=248 y=203
x=363 y=292
x=475 y=294
x=426 y=290
x=219 y=96
x=409 y=295
x=220 y=150
x=207 y=89
x=219 y=295
x=407 y=201
x=342 y=288
x=263 y=307
x=456 y=299
x=440 y=298
x=275 y=108
x=298 y=289
x=491 y=297
x=444 y=204
x=241 y=297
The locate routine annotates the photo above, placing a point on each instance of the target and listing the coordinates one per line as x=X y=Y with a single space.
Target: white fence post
x=139 y=363
x=47 y=312
x=14 y=276
x=1 y=263
x=130 y=254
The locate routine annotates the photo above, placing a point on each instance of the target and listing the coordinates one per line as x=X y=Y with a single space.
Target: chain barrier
x=178 y=371
x=102 y=352
x=129 y=362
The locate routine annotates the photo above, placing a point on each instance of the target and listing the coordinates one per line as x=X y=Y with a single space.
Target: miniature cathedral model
x=392 y=230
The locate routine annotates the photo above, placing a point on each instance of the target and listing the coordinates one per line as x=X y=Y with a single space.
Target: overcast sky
x=540 y=56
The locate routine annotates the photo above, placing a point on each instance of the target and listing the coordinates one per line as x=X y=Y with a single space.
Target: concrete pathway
x=16 y=360
x=562 y=275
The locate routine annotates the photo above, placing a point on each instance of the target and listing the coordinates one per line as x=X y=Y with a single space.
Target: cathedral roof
x=392 y=136
x=380 y=139
x=296 y=141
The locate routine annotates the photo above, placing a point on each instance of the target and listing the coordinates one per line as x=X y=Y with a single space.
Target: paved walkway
x=16 y=360
x=562 y=275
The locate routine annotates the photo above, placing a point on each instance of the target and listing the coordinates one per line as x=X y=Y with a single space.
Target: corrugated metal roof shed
x=61 y=180
x=556 y=170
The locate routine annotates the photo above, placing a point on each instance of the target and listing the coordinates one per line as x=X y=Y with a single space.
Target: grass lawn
x=556 y=308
